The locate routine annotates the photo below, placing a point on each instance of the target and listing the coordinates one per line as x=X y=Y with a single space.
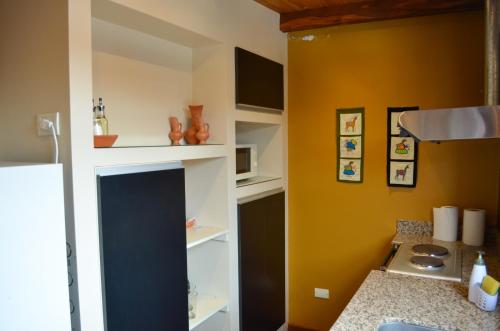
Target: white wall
x=139 y=98
x=241 y=22
x=34 y=78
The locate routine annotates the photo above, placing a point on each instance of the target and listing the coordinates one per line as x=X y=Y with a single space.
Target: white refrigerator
x=34 y=291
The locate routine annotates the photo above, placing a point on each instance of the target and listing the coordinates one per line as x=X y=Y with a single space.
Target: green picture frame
x=350 y=124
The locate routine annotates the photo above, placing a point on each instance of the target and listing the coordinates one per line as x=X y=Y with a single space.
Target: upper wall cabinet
x=147 y=70
x=259 y=82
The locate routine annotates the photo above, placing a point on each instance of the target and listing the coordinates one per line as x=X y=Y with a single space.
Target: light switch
x=322 y=293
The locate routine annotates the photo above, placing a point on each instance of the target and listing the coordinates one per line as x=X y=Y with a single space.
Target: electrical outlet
x=43 y=129
x=322 y=293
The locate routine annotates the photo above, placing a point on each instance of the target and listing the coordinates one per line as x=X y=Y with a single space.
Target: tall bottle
x=477 y=275
x=100 y=120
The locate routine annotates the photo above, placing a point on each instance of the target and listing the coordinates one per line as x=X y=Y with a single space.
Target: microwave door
x=243 y=160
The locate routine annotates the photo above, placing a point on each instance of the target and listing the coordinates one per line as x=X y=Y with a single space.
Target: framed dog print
x=350 y=140
x=402 y=152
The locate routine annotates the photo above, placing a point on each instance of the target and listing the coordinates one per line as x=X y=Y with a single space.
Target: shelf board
x=156 y=154
x=131 y=18
x=248 y=116
x=206 y=307
x=257 y=185
x=199 y=234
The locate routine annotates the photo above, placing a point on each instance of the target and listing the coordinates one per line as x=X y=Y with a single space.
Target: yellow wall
x=339 y=231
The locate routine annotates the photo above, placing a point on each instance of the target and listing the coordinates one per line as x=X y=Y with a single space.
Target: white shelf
x=199 y=234
x=140 y=155
x=206 y=307
x=126 y=16
x=259 y=185
x=248 y=116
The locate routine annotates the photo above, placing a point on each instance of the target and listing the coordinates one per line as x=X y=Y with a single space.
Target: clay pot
x=175 y=130
x=196 y=124
x=196 y=116
x=202 y=135
x=190 y=136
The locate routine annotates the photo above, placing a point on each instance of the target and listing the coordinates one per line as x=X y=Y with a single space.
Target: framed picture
x=402 y=173
x=351 y=147
x=350 y=140
x=350 y=170
x=402 y=148
x=350 y=122
x=402 y=152
x=393 y=123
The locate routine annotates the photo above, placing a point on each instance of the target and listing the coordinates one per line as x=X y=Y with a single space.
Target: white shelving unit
x=260 y=185
x=247 y=116
x=198 y=235
x=156 y=154
x=149 y=60
x=206 y=307
x=266 y=130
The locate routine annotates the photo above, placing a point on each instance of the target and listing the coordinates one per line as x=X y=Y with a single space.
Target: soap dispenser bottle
x=477 y=275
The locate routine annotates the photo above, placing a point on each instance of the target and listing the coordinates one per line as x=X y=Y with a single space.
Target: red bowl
x=105 y=141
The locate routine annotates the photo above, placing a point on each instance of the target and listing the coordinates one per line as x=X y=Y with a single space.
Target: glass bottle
x=96 y=126
x=100 y=121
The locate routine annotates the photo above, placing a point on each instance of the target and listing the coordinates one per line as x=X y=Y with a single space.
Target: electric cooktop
x=442 y=260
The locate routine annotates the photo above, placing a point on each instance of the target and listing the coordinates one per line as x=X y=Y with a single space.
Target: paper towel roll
x=474 y=223
x=445 y=223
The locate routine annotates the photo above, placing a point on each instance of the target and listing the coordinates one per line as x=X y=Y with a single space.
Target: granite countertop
x=385 y=297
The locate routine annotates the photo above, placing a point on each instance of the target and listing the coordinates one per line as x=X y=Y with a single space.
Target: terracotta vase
x=203 y=134
x=175 y=130
x=196 y=111
x=196 y=124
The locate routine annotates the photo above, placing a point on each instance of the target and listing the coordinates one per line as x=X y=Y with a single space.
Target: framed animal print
x=402 y=173
x=351 y=147
x=402 y=148
x=402 y=152
x=350 y=170
x=350 y=140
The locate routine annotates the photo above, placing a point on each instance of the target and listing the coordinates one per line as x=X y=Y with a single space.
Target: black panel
x=259 y=81
x=143 y=250
x=261 y=226
x=243 y=160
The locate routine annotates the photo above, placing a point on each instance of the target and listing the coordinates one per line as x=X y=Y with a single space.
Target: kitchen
x=338 y=233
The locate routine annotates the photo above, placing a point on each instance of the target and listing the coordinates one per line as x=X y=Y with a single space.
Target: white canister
x=445 y=223
x=474 y=224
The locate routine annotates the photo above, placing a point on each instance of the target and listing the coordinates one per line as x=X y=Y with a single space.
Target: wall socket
x=322 y=293
x=43 y=129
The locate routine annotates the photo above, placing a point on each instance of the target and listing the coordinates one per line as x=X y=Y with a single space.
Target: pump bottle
x=477 y=275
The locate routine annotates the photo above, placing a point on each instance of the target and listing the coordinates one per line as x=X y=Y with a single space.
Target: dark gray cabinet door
x=143 y=251
x=261 y=231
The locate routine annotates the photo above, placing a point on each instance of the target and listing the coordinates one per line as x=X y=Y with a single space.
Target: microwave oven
x=246 y=161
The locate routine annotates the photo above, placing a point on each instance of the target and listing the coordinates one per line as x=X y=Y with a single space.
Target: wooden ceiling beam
x=371 y=10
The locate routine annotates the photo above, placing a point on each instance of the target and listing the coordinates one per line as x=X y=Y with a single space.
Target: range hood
x=481 y=122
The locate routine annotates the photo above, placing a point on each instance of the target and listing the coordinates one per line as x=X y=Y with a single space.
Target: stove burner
x=429 y=250
x=427 y=262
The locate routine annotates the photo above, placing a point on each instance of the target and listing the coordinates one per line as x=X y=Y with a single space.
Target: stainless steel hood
x=452 y=124
x=481 y=122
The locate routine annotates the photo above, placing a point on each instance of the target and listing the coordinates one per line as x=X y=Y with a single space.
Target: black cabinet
x=143 y=250
x=261 y=231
